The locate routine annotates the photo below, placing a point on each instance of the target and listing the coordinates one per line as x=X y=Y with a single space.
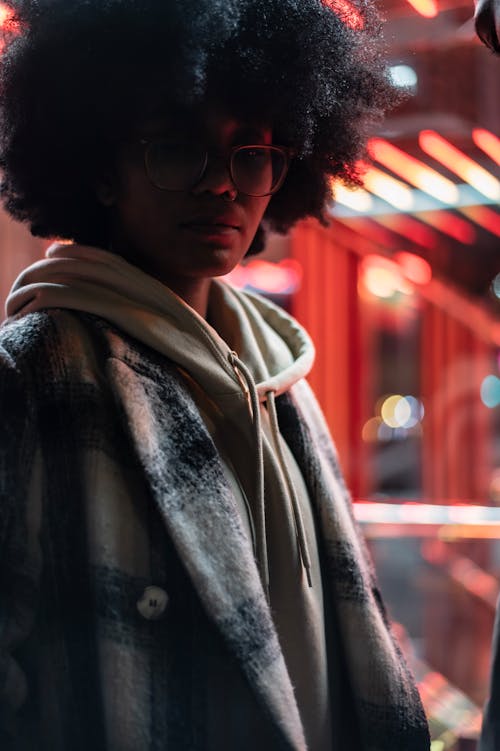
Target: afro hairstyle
x=75 y=75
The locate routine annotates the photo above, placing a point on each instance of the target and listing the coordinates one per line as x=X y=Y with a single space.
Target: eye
x=254 y=154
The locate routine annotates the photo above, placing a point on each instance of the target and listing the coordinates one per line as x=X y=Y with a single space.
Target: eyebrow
x=250 y=132
x=164 y=125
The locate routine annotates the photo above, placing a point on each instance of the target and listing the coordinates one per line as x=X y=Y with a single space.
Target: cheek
x=144 y=211
x=256 y=211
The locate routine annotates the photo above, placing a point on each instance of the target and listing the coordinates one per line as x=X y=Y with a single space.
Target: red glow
x=451 y=225
x=382 y=277
x=426 y=8
x=485 y=217
x=415 y=268
x=5 y=14
x=7 y=22
x=456 y=161
x=347 y=13
x=275 y=278
x=476 y=581
x=488 y=142
x=374 y=232
x=411 y=229
x=413 y=170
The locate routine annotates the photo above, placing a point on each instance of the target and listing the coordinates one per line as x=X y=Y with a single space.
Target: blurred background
x=401 y=294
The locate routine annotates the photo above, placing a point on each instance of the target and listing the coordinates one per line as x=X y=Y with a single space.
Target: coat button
x=153 y=603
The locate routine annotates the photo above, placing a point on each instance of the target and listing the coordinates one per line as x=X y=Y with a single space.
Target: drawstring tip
x=268 y=594
x=309 y=578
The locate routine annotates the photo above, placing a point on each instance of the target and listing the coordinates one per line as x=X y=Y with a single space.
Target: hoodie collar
x=277 y=351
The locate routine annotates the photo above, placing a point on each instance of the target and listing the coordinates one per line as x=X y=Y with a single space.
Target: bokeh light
x=282 y=278
x=384 y=432
x=402 y=412
x=415 y=268
x=403 y=76
x=490 y=391
x=369 y=433
x=399 y=411
x=396 y=417
x=382 y=277
x=388 y=410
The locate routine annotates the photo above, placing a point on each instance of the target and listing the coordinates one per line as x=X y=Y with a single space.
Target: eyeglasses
x=255 y=170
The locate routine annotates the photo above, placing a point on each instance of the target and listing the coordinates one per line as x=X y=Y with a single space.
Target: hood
x=276 y=350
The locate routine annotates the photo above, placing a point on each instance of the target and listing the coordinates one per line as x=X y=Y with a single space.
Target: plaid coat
x=110 y=484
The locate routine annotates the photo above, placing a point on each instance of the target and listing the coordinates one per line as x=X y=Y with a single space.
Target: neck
x=194 y=291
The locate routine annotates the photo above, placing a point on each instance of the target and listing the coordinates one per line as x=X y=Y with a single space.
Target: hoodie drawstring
x=299 y=524
x=246 y=379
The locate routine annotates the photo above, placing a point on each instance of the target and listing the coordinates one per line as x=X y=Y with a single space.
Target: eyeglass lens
x=255 y=170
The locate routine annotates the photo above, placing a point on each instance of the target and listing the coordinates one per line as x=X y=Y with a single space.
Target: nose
x=216 y=178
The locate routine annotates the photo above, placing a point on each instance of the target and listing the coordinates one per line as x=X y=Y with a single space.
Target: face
x=192 y=234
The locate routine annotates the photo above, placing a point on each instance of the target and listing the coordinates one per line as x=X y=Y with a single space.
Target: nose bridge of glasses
x=217 y=169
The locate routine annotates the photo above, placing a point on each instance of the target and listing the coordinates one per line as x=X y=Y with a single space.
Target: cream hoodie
x=251 y=352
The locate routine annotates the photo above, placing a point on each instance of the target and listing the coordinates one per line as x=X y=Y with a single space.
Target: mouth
x=212 y=224
x=213 y=232
x=210 y=227
x=220 y=231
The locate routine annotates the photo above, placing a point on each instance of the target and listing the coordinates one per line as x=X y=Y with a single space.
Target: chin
x=218 y=262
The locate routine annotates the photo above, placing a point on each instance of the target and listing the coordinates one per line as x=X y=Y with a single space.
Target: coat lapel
x=385 y=698
x=200 y=514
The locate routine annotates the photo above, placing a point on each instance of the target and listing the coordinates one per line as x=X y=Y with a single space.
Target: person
x=180 y=568
x=487 y=23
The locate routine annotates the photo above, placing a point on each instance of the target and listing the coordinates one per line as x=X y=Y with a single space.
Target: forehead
x=211 y=123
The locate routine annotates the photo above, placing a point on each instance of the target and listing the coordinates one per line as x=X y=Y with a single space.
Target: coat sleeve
x=19 y=550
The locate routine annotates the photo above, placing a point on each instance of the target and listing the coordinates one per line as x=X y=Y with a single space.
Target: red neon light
x=427 y=8
x=451 y=225
x=485 y=217
x=372 y=231
x=411 y=229
x=413 y=170
x=385 y=186
x=455 y=160
x=488 y=142
x=347 y=13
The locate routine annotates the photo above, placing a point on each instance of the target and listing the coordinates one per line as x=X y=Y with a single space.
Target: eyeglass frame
x=286 y=151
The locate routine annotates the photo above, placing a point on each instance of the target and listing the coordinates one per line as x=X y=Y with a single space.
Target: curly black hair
x=75 y=76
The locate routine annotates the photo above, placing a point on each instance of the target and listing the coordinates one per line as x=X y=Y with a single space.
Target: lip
x=222 y=236
x=211 y=229
x=213 y=223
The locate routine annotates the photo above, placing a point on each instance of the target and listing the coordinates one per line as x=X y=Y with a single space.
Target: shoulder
x=50 y=344
x=26 y=337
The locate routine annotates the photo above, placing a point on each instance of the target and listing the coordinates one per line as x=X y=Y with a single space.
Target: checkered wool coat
x=110 y=484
